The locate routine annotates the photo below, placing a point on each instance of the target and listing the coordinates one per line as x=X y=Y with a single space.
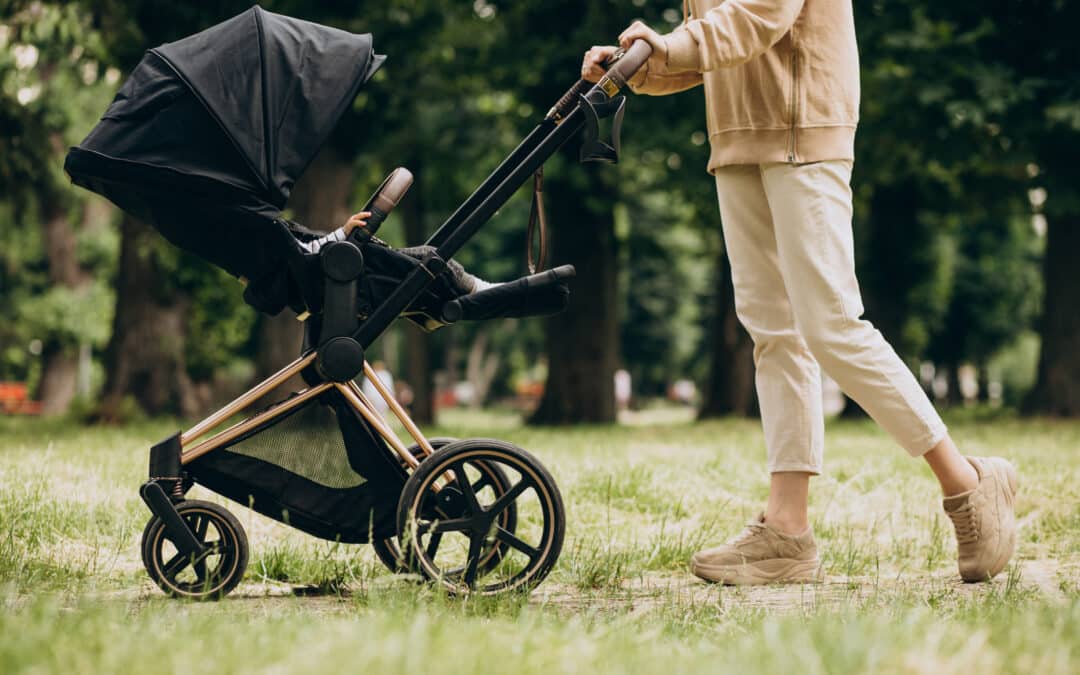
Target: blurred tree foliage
x=966 y=132
x=53 y=266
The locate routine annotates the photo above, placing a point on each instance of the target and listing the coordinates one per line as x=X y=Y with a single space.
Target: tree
x=50 y=78
x=1053 y=134
x=1025 y=104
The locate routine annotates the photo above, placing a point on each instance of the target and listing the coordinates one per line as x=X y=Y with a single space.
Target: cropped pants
x=787 y=229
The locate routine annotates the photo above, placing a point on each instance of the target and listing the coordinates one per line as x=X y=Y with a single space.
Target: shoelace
x=752 y=530
x=967 y=526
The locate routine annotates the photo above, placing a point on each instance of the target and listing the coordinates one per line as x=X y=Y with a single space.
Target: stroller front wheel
x=210 y=576
x=449 y=530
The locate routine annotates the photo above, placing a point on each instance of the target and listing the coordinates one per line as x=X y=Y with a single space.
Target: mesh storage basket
x=319 y=468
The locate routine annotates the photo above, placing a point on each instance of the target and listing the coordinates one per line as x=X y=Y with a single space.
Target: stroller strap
x=537 y=218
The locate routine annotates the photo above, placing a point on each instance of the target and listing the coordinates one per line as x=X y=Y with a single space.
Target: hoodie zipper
x=794 y=103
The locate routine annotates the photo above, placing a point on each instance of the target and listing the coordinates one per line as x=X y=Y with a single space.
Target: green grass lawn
x=640 y=499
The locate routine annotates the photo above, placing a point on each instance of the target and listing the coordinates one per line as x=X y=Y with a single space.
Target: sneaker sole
x=776 y=571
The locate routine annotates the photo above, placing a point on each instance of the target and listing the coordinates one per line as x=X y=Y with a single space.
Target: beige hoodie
x=781 y=77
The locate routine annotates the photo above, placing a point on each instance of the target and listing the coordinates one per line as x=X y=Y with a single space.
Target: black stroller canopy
x=208 y=135
x=276 y=85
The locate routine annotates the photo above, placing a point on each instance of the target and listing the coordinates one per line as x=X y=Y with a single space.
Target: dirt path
x=1044 y=579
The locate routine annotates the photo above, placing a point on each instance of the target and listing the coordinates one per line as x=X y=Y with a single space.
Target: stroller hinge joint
x=433 y=264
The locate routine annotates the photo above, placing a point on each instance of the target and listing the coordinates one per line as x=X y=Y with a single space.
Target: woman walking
x=781 y=82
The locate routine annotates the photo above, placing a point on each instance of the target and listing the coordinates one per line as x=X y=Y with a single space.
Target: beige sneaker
x=760 y=555
x=985 y=520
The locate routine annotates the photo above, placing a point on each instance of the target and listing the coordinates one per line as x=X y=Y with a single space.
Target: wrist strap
x=537 y=217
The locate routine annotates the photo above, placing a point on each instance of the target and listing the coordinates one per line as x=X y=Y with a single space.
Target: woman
x=781 y=82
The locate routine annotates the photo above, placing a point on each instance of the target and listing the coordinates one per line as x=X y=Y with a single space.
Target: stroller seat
x=453 y=295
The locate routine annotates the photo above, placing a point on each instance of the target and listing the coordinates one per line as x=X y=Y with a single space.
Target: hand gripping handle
x=621 y=66
x=626 y=62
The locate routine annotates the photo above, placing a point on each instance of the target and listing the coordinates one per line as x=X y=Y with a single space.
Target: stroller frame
x=338 y=357
x=350 y=390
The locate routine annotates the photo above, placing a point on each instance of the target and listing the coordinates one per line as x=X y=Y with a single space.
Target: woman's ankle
x=790 y=525
x=953 y=471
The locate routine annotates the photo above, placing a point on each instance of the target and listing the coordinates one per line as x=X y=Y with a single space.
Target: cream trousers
x=787 y=229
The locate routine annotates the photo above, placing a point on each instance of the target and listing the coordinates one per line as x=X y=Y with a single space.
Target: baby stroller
x=204 y=141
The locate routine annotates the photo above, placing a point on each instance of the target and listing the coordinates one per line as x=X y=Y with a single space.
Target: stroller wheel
x=387 y=550
x=457 y=534
x=485 y=477
x=210 y=577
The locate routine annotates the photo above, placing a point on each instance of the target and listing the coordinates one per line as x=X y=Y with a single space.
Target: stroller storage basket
x=320 y=469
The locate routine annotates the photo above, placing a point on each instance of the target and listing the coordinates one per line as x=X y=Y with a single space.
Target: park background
x=967 y=225
x=966 y=216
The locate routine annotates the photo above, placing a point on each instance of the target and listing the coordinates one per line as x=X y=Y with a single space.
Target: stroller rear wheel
x=484 y=478
x=387 y=550
x=210 y=576
x=454 y=534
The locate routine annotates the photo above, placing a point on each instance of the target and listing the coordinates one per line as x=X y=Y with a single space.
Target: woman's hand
x=592 y=68
x=639 y=31
x=356 y=220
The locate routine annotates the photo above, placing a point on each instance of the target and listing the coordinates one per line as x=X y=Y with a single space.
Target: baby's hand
x=356 y=220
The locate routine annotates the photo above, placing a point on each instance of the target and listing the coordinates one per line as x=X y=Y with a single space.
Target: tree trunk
x=418 y=362
x=983 y=375
x=60 y=362
x=145 y=356
x=319 y=201
x=730 y=388
x=59 y=378
x=955 y=397
x=582 y=343
x=480 y=368
x=1057 y=389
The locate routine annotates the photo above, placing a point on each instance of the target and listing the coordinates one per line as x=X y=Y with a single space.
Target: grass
x=640 y=499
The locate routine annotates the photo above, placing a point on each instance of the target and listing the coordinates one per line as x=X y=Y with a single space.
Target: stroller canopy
x=208 y=135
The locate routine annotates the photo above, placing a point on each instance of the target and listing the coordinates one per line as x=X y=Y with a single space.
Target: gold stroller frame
x=350 y=390
x=489 y=525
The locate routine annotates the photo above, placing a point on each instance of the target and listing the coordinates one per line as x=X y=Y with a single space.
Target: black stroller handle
x=519 y=166
x=625 y=63
x=621 y=66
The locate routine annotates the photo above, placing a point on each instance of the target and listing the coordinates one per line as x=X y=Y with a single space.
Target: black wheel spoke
x=482 y=482
x=200 y=569
x=440 y=526
x=174 y=565
x=433 y=545
x=513 y=541
x=218 y=548
x=513 y=493
x=466 y=488
x=201 y=525
x=476 y=545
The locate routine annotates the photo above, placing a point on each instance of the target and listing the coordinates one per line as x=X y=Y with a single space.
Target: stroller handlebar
x=625 y=62
x=621 y=67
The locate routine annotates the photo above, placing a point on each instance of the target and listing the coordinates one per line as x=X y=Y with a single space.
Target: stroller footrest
x=541 y=294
